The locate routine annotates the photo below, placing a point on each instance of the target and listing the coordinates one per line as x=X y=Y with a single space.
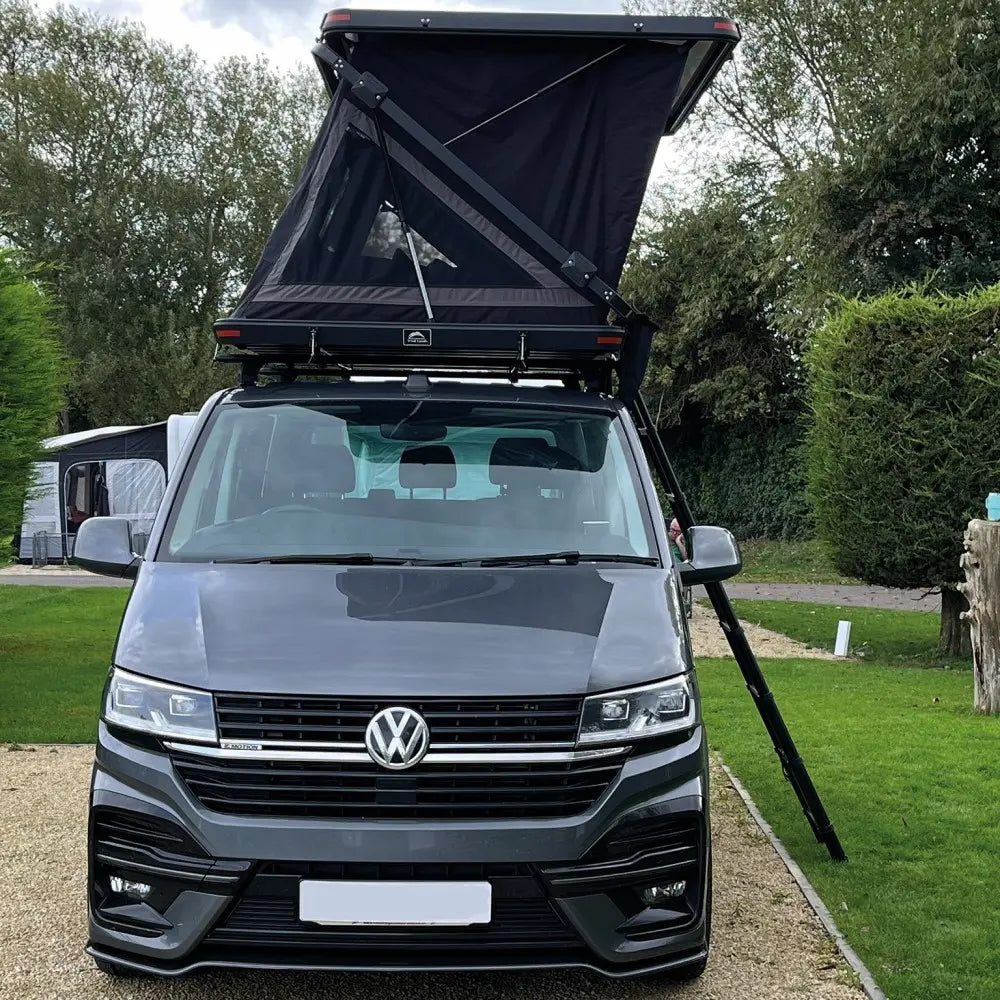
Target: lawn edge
x=866 y=979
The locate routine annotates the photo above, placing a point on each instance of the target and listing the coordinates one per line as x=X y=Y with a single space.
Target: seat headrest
x=526 y=461
x=430 y=467
x=326 y=469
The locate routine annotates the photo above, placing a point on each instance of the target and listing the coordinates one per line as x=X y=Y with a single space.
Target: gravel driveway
x=767 y=944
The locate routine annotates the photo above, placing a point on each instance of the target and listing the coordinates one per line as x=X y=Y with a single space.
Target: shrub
x=747 y=477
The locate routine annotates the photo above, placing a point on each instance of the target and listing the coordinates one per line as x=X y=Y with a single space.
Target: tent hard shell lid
x=474 y=189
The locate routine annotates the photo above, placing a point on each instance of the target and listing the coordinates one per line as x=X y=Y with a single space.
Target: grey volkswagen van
x=404 y=681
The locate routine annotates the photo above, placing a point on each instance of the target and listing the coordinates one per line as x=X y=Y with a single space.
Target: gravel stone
x=767 y=944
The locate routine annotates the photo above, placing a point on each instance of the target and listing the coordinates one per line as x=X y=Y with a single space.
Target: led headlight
x=646 y=711
x=150 y=706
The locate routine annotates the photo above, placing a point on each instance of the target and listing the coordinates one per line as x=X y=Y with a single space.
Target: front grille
x=363 y=790
x=266 y=916
x=453 y=723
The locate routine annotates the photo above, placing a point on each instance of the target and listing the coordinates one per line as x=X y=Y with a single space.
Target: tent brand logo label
x=417 y=338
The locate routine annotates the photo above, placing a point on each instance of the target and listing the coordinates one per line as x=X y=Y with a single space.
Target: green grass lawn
x=900 y=638
x=766 y=561
x=55 y=647
x=909 y=777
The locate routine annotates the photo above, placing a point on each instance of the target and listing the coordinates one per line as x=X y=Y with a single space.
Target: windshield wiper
x=346 y=559
x=547 y=558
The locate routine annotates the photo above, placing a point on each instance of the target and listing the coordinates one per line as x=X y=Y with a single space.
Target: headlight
x=647 y=711
x=162 y=709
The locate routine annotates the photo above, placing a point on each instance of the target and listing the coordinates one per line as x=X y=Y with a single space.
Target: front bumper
x=566 y=891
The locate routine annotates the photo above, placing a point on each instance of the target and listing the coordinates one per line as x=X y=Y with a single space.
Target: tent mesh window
x=354 y=234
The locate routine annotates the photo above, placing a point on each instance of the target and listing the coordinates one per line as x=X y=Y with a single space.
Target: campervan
x=404 y=680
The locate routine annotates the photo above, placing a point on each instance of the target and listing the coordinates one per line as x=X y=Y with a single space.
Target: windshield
x=410 y=480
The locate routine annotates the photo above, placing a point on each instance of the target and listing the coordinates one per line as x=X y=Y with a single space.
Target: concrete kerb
x=865 y=978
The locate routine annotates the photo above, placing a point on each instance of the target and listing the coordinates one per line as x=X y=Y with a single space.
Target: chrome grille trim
x=348 y=757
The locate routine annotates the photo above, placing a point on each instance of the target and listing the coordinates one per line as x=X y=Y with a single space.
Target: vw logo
x=397 y=738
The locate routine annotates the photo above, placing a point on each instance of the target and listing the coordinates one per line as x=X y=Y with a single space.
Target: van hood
x=403 y=632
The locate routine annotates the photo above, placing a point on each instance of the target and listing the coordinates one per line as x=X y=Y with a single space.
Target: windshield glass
x=407 y=480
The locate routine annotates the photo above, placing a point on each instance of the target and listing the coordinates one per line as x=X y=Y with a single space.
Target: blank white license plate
x=396 y=904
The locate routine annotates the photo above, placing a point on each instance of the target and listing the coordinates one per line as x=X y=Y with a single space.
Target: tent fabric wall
x=42 y=512
x=574 y=158
x=135 y=489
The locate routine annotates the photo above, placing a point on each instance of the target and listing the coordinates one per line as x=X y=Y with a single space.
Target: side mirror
x=104 y=545
x=713 y=556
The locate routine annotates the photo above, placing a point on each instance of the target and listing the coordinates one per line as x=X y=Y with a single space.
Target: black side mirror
x=713 y=556
x=104 y=545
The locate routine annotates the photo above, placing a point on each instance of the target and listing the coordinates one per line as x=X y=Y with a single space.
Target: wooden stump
x=981 y=563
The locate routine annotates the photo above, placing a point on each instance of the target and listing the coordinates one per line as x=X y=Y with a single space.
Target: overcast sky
x=285 y=30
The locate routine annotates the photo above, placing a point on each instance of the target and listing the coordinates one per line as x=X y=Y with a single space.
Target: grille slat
x=455 y=722
x=339 y=790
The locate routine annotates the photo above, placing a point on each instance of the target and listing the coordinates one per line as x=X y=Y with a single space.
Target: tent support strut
x=401 y=215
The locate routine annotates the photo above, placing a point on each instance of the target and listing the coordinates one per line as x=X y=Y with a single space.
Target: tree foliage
x=32 y=377
x=706 y=275
x=151 y=182
x=905 y=442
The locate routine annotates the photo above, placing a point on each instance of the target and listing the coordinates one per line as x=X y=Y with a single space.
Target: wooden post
x=981 y=563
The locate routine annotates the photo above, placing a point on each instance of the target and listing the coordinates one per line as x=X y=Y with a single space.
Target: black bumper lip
x=585 y=962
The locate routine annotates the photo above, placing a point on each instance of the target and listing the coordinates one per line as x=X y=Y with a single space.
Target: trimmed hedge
x=747 y=477
x=905 y=443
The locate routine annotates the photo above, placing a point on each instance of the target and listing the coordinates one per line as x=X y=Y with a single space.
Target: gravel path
x=55 y=576
x=847 y=595
x=767 y=943
x=708 y=640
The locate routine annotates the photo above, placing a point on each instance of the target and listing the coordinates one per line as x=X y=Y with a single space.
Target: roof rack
x=381 y=349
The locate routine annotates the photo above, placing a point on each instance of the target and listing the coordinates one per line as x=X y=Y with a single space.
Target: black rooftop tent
x=475 y=186
x=468 y=206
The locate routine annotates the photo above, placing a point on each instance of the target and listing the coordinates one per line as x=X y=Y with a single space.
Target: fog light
x=134 y=890
x=657 y=893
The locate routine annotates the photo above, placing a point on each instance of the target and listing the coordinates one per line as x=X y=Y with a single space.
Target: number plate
x=395 y=904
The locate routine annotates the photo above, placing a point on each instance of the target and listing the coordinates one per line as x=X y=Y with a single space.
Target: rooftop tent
x=476 y=172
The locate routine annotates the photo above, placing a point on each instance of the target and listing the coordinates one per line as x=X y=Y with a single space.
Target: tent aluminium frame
x=592 y=353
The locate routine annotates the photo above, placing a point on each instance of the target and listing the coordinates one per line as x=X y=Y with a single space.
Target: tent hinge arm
x=582 y=272
x=369 y=90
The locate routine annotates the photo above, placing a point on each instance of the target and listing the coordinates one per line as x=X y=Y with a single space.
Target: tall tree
x=150 y=181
